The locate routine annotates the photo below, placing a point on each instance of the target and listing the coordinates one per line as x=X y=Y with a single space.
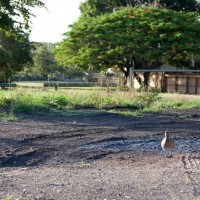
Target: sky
x=50 y=24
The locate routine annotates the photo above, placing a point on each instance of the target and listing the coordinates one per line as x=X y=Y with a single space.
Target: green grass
x=8 y=117
x=11 y=197
x=63 y=102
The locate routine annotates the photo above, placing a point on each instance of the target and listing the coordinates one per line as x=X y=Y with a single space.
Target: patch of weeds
x=185 y=116
x=83 y=165
x=188 y=180
x=96 y=100
x=127 y=112
x=29 y=108
x=74 y=113
x=136 y=112
x=175 y=198
x=58 y=102
x=8 y=117
x=2 y=174
x=148 y=98
x=11 y=197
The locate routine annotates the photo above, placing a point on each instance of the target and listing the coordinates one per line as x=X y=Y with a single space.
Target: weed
x=8 y=117
x=175 y=198
x=10 y=197
x=148 y=98
x=82 y=165
x=2 y=174
x=188 y=180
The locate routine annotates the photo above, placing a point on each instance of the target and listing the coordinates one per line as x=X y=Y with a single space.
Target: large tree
x=44 y=61
x=15 y=51
x=44 y=65
x=150 y=36
x=14 y=34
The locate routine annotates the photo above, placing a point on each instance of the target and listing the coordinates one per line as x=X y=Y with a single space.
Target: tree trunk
x=146 y=80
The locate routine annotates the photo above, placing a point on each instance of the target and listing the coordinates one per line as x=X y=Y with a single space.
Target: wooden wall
x=183 y=83
x=176 y=82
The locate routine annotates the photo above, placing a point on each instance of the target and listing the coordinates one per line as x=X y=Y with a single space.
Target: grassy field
x=38 y=101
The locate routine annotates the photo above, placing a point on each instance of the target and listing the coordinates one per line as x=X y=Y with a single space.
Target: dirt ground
x=100 y=156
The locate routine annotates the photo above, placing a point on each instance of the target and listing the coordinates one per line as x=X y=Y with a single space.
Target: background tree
x=16 y=13
x=150 y=36
x=14 y=32
x=44 y=63
x=44 y=66
x=15 y=52
x=92 y=8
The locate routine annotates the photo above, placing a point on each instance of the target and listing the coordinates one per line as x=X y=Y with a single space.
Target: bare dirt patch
x=100 y=156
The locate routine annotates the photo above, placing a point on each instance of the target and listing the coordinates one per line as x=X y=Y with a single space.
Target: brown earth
x=100 y=156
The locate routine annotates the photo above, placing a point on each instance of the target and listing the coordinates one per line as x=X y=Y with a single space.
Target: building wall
x=183 y=83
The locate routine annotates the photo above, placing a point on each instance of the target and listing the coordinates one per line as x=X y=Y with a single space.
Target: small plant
x=83 y=165
x=11 y=197
x=147 y=98
x=175 y=198
x=188 y=180
x=8 y=117
x=2 y=174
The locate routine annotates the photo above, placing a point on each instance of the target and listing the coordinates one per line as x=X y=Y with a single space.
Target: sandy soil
x=100 y=156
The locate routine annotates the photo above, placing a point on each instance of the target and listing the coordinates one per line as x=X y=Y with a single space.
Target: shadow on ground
x=54 y=140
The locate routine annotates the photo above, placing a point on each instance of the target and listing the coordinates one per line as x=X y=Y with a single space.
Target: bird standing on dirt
x=167 y=144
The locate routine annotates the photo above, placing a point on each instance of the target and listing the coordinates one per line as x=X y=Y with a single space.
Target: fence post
x=131 y=74
x=196 y=85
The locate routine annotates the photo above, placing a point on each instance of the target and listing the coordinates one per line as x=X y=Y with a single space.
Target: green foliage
x=14 y=53
x=44 y=65
x=8 y=117
x=14 y=35
x=39 y=102
x=16 y=14
x=146 y=99
x=153 y=36
x=94 y=8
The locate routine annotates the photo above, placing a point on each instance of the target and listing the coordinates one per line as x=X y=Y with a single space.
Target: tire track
x=191 y=161
x=191 y=165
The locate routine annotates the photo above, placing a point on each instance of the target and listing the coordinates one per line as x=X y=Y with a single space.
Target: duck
x=167 y=144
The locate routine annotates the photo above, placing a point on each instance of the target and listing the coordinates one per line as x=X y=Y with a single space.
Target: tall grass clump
x=5 y=98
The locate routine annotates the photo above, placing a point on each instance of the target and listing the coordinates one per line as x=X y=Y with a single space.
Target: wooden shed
x=184 y=83
x=173 y=82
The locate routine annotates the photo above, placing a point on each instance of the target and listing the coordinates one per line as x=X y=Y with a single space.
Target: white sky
x=49 y=25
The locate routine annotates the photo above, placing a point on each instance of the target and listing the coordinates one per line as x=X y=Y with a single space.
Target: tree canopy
x=98 y=7
x=149 y=35
x=14 y=53
x=15 y=47
x=16 y=13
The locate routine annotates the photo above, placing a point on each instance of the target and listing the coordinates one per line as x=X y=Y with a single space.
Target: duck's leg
x=169 y=154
